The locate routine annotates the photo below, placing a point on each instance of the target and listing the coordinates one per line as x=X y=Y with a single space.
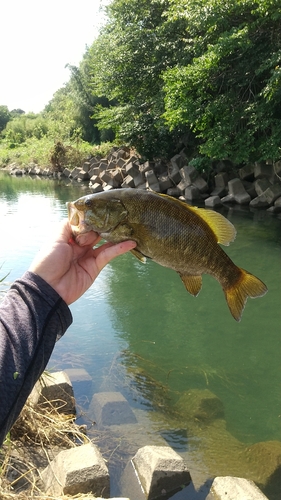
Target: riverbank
x=257 y=185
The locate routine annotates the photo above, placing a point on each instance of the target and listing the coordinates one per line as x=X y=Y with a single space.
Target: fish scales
x=173 y=234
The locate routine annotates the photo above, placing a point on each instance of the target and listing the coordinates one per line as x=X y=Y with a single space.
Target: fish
x=172 y=233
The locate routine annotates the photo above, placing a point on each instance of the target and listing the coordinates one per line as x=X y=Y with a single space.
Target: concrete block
x=94 y=179
x=144 y=167
x=189 y=173
x=272 y=193
x=201 y=406
x=174 y=174
x=201 y=184
x=128 y=182
x=66 y=172
x=86 y=166
x=56 y=389
x=174 y=191
x=83 y=176
x=237 y=190
x=132 y=168
x=178 y=161
x=105 y=176
x=96 y=188
x=139 y=180
x=118 y=176
x=213 y=202
x=75 y=172
x=259 y=202
x=219 y=191
x=160 y=470
x=164 y=182
x=221 y=180
x=192 y=193
x=261 y=185
x=111 y=408
x=235 y=488
x=263 y=170
x=77 y=470
x=246 y=173
x=153 y=187
x=151 y=177
x=81 y=381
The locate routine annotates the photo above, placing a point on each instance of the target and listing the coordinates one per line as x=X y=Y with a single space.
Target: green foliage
x=5 y=116
x=230 y=93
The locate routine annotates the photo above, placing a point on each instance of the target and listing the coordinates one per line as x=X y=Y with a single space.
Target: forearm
x=32 y=317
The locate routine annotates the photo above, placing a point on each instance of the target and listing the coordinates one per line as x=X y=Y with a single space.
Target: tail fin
x=247 y=286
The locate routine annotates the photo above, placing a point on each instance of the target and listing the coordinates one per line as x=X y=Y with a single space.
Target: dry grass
x=37 y=436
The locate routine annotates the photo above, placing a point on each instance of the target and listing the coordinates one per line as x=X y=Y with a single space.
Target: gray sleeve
x=32 y=317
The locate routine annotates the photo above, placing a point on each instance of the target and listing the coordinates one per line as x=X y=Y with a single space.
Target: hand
x=71 y=267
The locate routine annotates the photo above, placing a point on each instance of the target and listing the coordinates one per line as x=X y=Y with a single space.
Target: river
x=137 y=331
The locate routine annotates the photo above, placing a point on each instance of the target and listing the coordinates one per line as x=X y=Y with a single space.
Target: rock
x=111 y=408
x=201 y=405
x=160 y=470
x=247 y=173
x=237 y=190
x=77 y=470
x=54 y=388
x=83 y=176
x=213 y=202
x=192 y=193
x=235 y=488
x=261 y=185
x=221 y=180
x=81 y=381
x=128 y=182
x=174 y=174
x=263 y=170
x=201 y=184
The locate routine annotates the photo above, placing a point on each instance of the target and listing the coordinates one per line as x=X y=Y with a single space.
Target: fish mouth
x=77 y=219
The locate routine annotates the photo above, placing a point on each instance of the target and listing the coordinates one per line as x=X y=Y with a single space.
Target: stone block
x=128 y=182
x=120 y=162
x=102 y=166
x=259 y=202
x=118 y=176
x=139 y=180
x=261 y=185
x=81 y=381
x=165 y=182
x=246 y=173
x=151 y=177
x=213 y=202
x=83 y=176
x=75 y=172
x=272 y=193
x=55 y=389
x=144 y=167
x=263 y=170
x=237 y=190
x=235 y=488
x=66 y=172
x=111 y=408
x=201 y=184
x=201 y=406
x=96 y=187
x=192 y=193
x=219 y=191
x=107 y=187
x=174 y=174
x=132 y=168
x=189 y=173
x=178 y=161
x=221 y=180
x=174 y=191
x=160 y=470
x=153 y=187
x=77 y=470
x=183 y=184
x=105 y=176
x=86 y=166
x=94 y=179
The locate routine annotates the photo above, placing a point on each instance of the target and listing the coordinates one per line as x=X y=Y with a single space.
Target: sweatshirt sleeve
x=32 y=317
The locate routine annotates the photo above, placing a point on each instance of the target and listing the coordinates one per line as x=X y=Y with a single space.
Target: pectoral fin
x=138 y=255
x=193 y=284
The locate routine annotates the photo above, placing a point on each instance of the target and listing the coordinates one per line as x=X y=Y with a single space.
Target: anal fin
x=193 y=284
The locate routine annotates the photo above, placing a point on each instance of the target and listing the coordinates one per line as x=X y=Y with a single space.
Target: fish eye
x=88 y=202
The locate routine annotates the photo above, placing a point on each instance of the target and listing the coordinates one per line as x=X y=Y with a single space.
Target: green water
x=137 y=330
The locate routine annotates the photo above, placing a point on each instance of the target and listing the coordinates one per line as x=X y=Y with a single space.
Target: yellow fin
x=224 y=231
x=138 y=255
x=247 y=286
x=193 y=284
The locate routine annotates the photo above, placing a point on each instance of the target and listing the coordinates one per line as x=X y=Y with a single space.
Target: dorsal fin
x=224 y=231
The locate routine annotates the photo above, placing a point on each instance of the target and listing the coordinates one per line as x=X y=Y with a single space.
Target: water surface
x=138 y=331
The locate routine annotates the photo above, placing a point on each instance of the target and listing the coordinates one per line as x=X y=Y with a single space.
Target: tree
x=127 y=61
x=230 y=93
x=5 y=116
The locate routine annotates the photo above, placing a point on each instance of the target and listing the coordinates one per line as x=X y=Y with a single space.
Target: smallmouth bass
x=171 y=233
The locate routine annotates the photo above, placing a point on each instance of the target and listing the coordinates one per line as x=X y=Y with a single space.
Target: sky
x=37 y=39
